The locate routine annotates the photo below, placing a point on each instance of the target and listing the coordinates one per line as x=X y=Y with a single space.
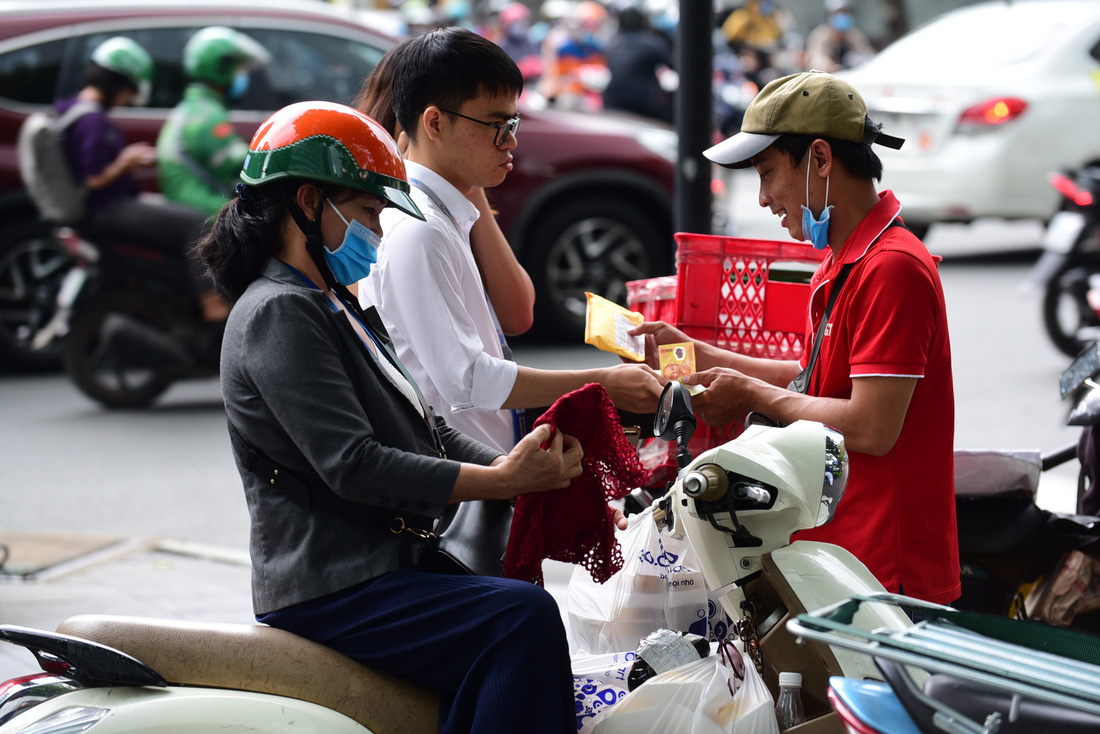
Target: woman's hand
x=531 y=468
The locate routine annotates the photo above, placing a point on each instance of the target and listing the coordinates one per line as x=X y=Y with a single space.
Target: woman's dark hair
x=249 y=229
x=246 y=232
x=376 y=95
x=110 y=83
x=857 y=158
x=447 y=68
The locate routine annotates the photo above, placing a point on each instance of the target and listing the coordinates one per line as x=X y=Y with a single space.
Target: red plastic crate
x=727 y=295
x=748 y=296
x=654 y=298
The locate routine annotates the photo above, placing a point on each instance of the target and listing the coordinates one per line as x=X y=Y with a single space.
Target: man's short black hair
x=857 y=158
x=447 y=68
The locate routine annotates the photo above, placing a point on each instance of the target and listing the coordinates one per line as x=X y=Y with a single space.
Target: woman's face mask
x=351 y=261
x=816 y=231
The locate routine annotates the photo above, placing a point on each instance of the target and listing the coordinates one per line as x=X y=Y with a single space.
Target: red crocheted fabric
x=575 y=524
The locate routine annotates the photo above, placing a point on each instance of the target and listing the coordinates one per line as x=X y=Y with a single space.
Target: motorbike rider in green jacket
x=199 y=154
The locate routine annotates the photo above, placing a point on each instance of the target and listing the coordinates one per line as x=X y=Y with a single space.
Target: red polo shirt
x=898 y=513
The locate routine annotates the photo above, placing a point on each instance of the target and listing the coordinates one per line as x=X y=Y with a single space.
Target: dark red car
x=587 y=207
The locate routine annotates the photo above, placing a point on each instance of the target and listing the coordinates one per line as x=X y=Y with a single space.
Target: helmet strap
x=315 y=247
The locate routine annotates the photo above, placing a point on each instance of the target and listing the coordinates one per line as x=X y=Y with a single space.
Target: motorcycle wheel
x=101 y=373
x=32 y=265
x=1066 y=312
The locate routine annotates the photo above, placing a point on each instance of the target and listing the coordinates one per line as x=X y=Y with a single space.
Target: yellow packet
x=605 y=327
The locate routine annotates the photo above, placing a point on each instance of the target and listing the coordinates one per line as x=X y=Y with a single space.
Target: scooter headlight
x=836 y=475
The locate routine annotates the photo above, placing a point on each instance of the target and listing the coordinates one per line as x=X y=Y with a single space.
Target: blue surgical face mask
x=351 y=261
x=816 y=231
x=842 y=21
x=238 y=86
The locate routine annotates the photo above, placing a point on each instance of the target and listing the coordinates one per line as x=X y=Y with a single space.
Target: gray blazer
x=300 y=387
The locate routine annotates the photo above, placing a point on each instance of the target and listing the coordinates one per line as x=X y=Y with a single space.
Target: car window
x=165 y=46
x=305 y=65
x=308 y=66
x=30 y=74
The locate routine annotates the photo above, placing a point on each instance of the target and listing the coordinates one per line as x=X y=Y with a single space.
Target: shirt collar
x=461 y=208
x=868 y=230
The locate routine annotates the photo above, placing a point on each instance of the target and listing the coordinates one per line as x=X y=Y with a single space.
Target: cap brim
x=738 y=150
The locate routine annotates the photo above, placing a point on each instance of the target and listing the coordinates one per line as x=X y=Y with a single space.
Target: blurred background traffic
x=992 y=97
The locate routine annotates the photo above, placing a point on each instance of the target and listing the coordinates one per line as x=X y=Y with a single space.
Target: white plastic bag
x=598 y=682
x=659 y=585
x=692 y=699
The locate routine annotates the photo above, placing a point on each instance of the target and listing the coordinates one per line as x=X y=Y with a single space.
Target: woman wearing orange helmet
x=341 y=459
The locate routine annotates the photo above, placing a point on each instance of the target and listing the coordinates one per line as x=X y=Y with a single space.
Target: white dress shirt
x=429 y=292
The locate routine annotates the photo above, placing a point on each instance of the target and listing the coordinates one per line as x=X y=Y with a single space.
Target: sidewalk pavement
x=146 y=577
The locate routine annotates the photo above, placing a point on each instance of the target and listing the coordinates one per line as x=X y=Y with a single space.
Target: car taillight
x=1067 y=188
x=852 y=723
x=991 y=113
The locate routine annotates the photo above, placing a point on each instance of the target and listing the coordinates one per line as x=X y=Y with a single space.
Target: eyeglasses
x=502 y=128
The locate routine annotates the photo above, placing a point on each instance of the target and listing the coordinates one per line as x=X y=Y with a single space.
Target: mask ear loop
x=809 y=162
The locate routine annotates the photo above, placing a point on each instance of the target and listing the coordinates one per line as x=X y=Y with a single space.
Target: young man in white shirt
x=455 y=96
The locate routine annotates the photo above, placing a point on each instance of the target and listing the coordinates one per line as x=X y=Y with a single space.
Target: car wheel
x=112 y=371
x=32 y=265
x=1066 y=311
x=590 y=245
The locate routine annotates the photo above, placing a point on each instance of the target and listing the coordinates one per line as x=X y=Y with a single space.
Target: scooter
x=960 y=672
x=736 y=504
x=129 y=323
x=1069 y=267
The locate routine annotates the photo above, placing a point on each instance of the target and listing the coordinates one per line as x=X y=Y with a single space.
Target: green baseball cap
x=810 y=103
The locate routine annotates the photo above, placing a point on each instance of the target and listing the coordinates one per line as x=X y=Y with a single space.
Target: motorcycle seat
x=264 y=659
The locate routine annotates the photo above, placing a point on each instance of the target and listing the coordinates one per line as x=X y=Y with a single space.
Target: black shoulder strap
x=801 y=383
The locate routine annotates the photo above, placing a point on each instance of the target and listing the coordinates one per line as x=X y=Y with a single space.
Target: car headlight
x=659 y=142
x=835 y=480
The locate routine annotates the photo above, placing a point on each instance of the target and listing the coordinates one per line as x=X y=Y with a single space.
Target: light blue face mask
x=842 y=21
x=238 y=86
x=816 y=231
x=351 y=261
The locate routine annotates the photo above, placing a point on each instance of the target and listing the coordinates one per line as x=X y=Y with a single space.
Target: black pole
x=694 y=117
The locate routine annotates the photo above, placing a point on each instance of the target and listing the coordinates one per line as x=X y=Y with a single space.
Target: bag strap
x=74 y=113
x=258 y=463
x=801 y=383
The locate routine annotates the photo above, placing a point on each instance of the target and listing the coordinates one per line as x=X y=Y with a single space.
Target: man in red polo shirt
x=883 y=372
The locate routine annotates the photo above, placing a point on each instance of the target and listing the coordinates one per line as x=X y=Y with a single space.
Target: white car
x=991 y=98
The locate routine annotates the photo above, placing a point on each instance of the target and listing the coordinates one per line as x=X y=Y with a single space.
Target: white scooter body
x=178 y=709
x=791 y=460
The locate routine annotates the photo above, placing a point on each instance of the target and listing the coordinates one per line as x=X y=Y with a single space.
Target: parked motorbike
x=1070 y=264
x=1011 y=550
x=960 y=672
x=130 y=323
x=736 y=505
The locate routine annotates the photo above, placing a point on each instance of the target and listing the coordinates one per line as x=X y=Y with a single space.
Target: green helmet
x=215 y=54
x=124 y=56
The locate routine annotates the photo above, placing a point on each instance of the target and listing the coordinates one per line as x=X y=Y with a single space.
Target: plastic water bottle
x=788 y=707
